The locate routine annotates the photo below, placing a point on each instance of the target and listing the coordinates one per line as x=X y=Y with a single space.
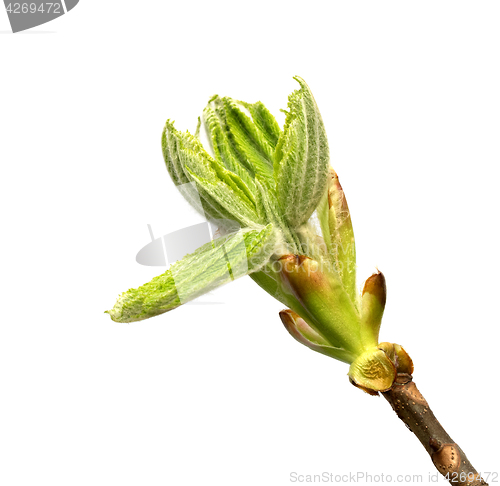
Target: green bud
x=306 y=335
x=372 y=308
x=328 y=308
x=336 y=225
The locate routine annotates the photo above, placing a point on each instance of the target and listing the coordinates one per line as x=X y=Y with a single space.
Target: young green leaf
x=222 y=193
x=269 y=210
x=301 y=159
x=237 y=139
x=222 y=145
x=264 y=121
x=214 y=264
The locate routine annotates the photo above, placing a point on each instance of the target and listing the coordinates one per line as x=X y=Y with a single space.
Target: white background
x=220 y=394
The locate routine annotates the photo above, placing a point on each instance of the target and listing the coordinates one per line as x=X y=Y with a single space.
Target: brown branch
x=412 y=408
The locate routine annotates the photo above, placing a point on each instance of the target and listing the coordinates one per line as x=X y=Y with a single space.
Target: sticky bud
x=326 y=306
x=306 y=335
x=372 y=308
x=303 y=276
x=341 y=243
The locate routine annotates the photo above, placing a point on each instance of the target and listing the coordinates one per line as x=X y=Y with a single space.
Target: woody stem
x=412 y=408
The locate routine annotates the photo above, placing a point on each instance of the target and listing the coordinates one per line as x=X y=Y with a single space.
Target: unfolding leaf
x=212 y=265
x=265 y=122
x=301 y=159
x=222 y=145
x=222 y=194
x=237 y=140
x=269 y=211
